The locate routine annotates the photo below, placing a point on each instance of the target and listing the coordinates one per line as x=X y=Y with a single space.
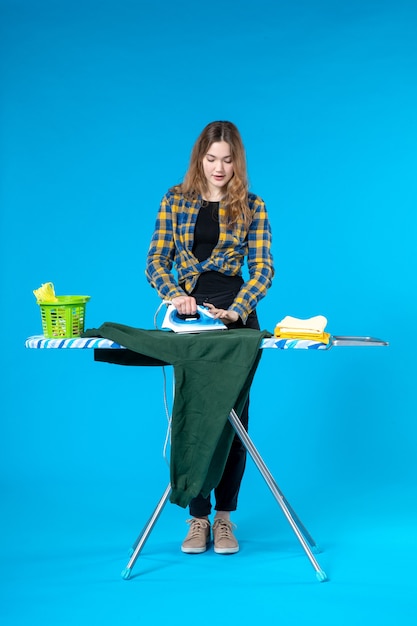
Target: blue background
x=100 y=105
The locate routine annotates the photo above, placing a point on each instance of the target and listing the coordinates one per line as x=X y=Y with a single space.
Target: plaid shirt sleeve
x=260 y=261
x=161 y=254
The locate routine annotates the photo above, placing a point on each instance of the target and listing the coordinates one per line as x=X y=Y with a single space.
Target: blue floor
x=64 y=549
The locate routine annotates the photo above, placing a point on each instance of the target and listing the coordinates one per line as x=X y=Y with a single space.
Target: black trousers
x=227 y=491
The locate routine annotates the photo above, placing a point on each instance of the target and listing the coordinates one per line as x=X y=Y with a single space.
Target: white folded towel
x=312 y=325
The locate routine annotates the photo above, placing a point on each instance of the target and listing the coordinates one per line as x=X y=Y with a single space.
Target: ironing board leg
x=142 y=538
x=298 y=528
x=293 y=520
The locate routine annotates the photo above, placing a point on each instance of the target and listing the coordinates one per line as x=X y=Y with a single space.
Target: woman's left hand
x=228 y=317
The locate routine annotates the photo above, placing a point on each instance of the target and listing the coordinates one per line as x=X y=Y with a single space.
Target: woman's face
x=218 y=166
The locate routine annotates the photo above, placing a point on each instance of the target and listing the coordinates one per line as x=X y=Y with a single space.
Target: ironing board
x=307 y=542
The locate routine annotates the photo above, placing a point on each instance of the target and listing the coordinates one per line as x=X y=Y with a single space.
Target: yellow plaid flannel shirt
x=172 y=244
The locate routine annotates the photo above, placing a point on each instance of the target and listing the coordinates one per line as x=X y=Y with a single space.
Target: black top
x=206 y=232
x=206 y=236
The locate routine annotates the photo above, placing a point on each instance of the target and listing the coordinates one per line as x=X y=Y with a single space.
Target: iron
x=202 y=321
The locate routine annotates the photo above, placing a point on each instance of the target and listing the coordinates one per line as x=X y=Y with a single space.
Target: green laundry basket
x=65 y=318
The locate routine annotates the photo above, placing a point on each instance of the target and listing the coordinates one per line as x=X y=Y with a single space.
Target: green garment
x=213 y=373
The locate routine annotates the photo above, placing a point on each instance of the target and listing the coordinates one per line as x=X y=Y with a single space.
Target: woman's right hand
x=186 y=305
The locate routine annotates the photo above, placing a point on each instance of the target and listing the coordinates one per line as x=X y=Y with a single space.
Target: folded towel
x=315 y=324
x=321 y=338
x=295 y=328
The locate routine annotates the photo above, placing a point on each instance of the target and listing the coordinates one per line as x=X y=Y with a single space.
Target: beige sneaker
x=198 y=536
x=224 y=540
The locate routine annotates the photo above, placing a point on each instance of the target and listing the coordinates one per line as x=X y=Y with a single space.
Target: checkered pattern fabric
x=172 y=243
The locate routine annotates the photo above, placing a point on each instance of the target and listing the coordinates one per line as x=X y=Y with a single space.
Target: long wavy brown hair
x=195 y=182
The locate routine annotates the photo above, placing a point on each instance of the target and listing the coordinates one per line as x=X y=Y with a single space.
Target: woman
x=206 y=227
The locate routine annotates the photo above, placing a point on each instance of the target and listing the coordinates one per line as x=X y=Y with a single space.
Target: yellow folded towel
x=295 y=328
